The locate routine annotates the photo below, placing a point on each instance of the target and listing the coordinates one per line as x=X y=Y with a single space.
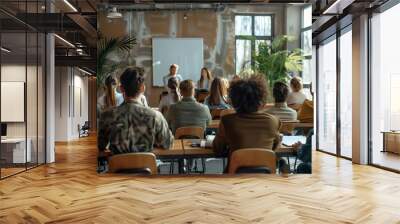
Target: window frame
x=253 y=38
x=303 y=30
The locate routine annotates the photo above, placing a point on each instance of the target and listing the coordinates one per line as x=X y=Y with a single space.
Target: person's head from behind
x=173 y=85
x=235 y=78
x=280 y=92
x=187 y=88
x=132 y=82
x=205 y=74
x=173 y=69
x=248 y=95
x=217 y=91
x=296 y=84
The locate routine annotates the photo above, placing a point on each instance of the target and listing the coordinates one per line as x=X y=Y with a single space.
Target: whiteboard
x=12 y=101
x=186 y=52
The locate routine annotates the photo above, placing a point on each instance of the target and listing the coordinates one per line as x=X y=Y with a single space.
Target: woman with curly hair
x=250 y=126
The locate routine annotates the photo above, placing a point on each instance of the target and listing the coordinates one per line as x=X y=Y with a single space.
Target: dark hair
x=131 y=80
x=280 y=92
x=110 y=84
x=248 y=94
x=217 y=92
x=173 y=85
x=186 y=87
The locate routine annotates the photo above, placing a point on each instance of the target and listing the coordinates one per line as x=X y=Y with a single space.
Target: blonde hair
x=186 y=87
x=296 y=84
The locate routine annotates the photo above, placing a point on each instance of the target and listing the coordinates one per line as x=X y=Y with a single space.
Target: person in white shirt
x=205 y=79
x=172 y=97
x=173 y=72
x=296 y=97
x=111 y=97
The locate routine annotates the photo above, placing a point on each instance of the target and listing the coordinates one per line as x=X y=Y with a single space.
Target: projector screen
x=12 y=101
x=186 y=52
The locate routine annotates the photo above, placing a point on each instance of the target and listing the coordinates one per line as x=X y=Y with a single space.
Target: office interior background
x=51 y=69
x=49 y=92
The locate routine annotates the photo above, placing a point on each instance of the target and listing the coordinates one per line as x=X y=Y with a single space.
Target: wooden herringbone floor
x=70 y=191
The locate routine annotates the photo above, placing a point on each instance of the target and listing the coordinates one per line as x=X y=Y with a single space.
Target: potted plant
x=276 y=62
x=107 y=47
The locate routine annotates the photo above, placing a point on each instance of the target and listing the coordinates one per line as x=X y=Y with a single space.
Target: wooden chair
x=189 y=132
x=137 y=162
x=252 y=159
x=216 y=113
x=287 y=128
x=226 y=112
x=201 y=96
x=295 y=107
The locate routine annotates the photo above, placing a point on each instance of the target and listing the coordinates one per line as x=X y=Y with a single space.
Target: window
x=250 y=31
x=346 y=94
x=327 y=93
x=385 y=86
x=306 y=44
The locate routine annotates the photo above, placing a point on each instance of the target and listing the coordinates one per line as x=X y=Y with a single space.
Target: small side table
x=391 y=141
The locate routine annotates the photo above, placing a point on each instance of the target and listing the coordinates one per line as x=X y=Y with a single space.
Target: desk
x=183 y=149
x=215 y=124
x=198 y=152
x=13 y=150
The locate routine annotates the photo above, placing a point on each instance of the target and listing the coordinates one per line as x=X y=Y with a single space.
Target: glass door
x=326 y=96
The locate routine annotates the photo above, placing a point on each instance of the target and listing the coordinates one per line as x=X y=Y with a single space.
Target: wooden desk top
x=296 y=124
x=208 y=152
x=184 y=148
x=177 y=149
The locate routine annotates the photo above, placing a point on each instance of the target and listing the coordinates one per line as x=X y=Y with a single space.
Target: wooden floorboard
x=70 y=191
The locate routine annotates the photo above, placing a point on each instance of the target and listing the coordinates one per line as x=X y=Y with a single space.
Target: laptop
x=290 y=140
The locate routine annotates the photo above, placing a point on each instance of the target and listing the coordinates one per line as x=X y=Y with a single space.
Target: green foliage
x=275 y=61
x=107 y=46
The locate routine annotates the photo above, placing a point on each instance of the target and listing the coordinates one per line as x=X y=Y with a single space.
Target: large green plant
x=275 y=61
x=106 y=47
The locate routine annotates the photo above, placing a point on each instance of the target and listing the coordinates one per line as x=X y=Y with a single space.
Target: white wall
x=70 y=83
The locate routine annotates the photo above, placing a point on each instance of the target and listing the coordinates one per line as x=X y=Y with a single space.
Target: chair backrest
x=252 y=158
x=295 y=106
x=216 y=113
x=137 y=162
x=226 y=112
x=287 y=128
x=189 y=132
x=201 y=96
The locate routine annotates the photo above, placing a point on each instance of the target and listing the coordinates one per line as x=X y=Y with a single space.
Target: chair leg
x=288 y=161
x=295 y=163
x=171 y=167
x=203 y=164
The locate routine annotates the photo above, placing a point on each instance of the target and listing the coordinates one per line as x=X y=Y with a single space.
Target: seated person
x=217 y=98
x=188 y=112
x=296 y=96
x=132 y=127
x=250 y=126
x=280 y=108
x=172 y=97
x=304 y=154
